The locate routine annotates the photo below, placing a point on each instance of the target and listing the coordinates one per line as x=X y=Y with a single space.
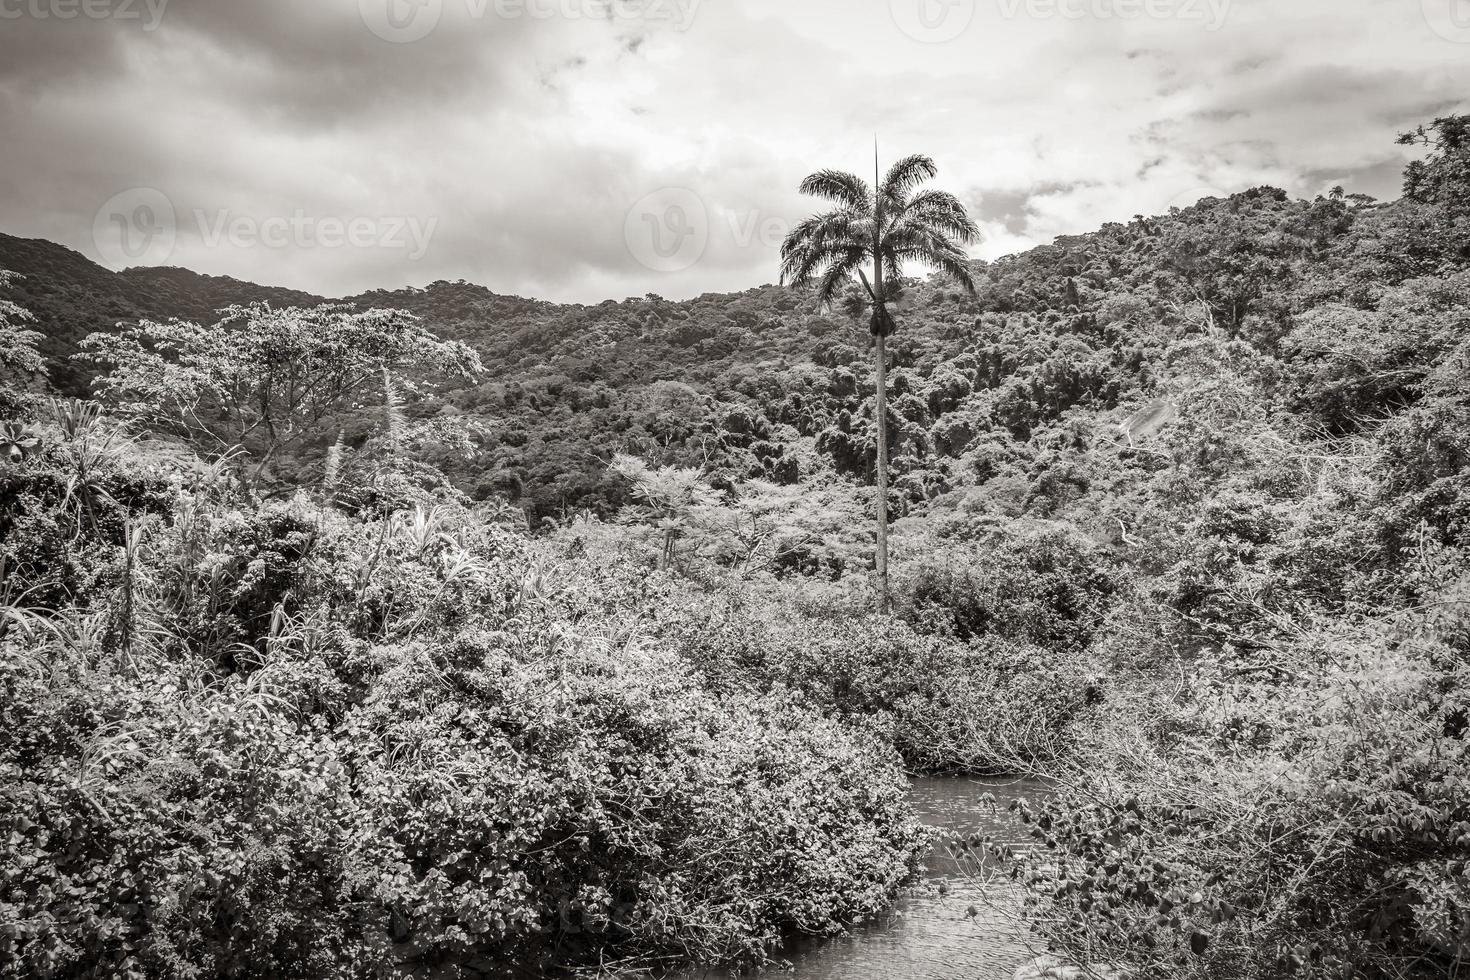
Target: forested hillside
x=511 y=633
x=1059 y=343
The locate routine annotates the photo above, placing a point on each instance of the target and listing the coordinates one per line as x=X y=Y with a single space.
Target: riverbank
x=959 y=922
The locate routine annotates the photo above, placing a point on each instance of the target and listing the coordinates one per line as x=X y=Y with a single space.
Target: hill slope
x=72 y=296
x=1058 y=341
x=1234 y=631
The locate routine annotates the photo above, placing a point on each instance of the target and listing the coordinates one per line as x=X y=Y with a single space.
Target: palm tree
x=889 y=224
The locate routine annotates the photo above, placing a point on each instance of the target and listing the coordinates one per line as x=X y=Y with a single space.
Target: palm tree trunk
x=881 y=418
x=880 y=408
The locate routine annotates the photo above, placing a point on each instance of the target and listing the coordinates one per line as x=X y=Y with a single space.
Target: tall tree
x=268 y=381
x=888 y=224
x=20 y=360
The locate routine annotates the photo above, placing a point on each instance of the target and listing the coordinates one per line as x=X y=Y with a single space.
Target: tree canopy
x=267 y=380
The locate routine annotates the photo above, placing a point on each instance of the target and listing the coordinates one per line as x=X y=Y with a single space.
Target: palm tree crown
x=899 y=223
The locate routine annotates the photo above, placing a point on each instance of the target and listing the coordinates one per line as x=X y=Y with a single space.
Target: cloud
x=521 y=137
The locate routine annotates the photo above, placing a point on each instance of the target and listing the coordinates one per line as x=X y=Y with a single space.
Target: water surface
x=951 y=926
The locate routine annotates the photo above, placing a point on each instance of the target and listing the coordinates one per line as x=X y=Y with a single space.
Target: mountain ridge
x=1056 y=345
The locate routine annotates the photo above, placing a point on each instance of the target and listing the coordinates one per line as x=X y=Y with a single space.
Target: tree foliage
x=1180 y=522
x=263 y=380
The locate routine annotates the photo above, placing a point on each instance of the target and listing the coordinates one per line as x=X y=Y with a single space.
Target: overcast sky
x=580 y=150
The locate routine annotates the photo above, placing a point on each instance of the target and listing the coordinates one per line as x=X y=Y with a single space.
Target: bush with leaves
x=157 y=827
x=989 y=705
x=1029 y=582
x=277 y=738
x=531 y=796
x=1302 y=817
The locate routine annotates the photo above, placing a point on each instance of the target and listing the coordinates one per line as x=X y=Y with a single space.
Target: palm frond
x=839 y=273
x=848 y=190
x=953 y=263
x=907 y=174
x=819 y=240
x=831 y=226
x=942 y=211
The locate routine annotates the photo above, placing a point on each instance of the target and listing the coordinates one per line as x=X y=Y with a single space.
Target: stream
x=931 y=932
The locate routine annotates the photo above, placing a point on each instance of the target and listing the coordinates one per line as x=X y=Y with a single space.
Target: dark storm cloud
x=36 y=52
x=522 y=137
x=299 y=62
x=274 y=108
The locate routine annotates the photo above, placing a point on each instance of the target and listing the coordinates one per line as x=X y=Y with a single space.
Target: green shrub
x=321 y=746
x=990 y=705
x=1045 y=586
x=152 y=831
x=1308 y=818
x=560 y=801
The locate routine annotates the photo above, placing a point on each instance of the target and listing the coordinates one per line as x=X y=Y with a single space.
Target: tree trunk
x=880 y=408
x=880 y=415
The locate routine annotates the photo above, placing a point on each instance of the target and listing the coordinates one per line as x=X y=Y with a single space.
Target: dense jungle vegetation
x=442 y=633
